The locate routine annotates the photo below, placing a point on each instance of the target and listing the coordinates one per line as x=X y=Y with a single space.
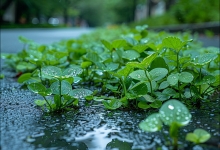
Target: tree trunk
x=169 y=3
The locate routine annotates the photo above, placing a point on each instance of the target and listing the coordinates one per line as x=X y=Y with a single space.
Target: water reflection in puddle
x=98 y=139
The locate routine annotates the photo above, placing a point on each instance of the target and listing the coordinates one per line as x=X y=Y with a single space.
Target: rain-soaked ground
x=91 y=127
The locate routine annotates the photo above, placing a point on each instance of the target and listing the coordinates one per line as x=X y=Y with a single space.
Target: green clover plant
x=58 y=95
x=174 y=114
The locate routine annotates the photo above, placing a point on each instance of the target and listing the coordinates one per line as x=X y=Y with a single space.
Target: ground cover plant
x=122 y=68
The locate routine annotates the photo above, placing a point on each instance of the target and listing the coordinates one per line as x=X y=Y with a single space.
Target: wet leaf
x=51 y=72
x=139 y=88
x=185 y=77
x=143 y=105
x=93 y=57
x=198 y=136
x=72 y=71
x=65 y=87
x=161 y=96
x=158 y=73
x=107 y=44
x=148 y=98
x=172 y=79
x=80 y=93
x=145 y=63
x=112 y=104
x=140 y=47
x=124 y=72
x=24 y=77
x=169 y=91
x=156 y=104
x=173 y=42
x=163 y=85
x=119 y=43
x=159 y=62
x=152 y=123
x=138 y=75
x=86 y=64
x=25 y=66
x=174 y=111
x=130 y=55
x=39 y=88
x=40 y=102
x=111 y=66
x=206 y=58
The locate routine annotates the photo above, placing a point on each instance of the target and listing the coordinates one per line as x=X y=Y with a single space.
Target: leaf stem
x=178 y=70
x=124 y=87
x=60 y=93
x=200 y=78
x=47 y=103
x=151 y=88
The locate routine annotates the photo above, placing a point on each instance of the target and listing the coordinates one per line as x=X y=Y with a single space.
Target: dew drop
x=170 y=107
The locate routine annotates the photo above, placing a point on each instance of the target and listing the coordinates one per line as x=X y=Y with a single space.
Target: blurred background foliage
x=107 y=12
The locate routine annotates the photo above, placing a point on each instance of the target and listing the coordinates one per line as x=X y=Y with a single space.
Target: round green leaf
x=80 y=93
x=112 y=104
x=198 y=136
x=192 y=137
x=40 y=102
x=206 y=58
x=111 y=66
x=202 y=135
x=163 y=85
x=24 y=77
x=143 y=105
x=39 y=88
x=159 y=62
x=138 y=75
x=86 y=64
x=119 y=43
x=172 y=79
x=185 y=77
x=130 y=54
x=72 y=72
x=156 y=104
x=158 y=73
x=148 y=98
x=65 y=87
x=50 y=72
x=174 y=111
x=152 y=123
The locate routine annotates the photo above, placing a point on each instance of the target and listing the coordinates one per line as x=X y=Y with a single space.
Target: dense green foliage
x=136 y=68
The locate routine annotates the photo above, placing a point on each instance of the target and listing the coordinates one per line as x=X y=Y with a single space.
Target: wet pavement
x=90 y=127
x=10 y=43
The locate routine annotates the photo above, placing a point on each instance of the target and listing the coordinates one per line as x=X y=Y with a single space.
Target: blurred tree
x=194 y=11
x=4 y=4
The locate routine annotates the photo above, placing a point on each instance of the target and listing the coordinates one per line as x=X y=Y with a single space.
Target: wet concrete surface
x=90 y=127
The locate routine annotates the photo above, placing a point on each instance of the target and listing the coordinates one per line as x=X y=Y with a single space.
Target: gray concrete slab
x=9 y=37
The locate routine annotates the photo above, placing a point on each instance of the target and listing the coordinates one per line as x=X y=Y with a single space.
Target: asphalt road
x=10 y=43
